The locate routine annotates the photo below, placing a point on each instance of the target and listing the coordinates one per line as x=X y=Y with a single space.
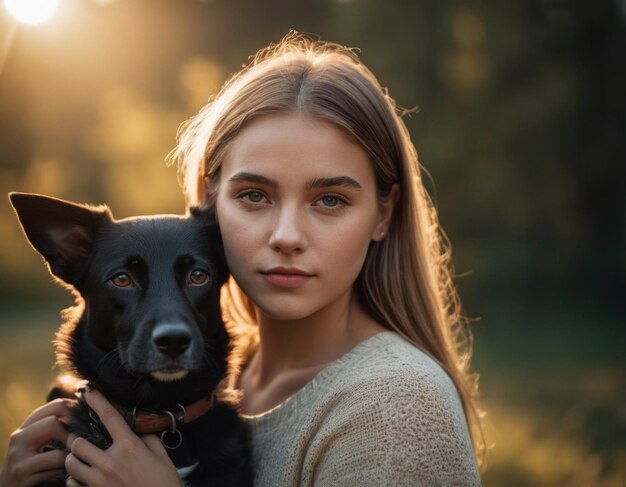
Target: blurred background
x=521 y=123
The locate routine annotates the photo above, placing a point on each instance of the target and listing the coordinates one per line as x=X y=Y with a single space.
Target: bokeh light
x=31 y=11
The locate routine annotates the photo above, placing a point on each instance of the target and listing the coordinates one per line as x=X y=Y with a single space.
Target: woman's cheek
x=238 y=246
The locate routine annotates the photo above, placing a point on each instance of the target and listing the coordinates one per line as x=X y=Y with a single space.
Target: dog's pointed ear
x=61 y=231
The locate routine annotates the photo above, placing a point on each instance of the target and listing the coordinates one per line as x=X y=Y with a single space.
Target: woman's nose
x=288 y=234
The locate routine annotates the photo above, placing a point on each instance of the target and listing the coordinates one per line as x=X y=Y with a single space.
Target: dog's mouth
x=169 y=375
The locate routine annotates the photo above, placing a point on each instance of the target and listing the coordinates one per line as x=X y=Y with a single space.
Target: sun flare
x=31 y=11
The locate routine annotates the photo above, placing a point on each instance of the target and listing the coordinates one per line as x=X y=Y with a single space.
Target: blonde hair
x=406 y=282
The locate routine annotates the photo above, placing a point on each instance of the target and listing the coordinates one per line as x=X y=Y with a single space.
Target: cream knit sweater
x=384 y=414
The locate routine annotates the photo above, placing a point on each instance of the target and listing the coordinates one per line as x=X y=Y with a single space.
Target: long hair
x=406 y=283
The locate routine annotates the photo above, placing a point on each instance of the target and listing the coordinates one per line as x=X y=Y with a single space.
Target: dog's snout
x=172 y=339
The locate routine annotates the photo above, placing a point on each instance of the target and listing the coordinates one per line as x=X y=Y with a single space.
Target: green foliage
x=521 y=122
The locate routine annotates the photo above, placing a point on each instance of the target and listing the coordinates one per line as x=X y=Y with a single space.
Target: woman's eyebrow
x=249 y=177
x=345 y=181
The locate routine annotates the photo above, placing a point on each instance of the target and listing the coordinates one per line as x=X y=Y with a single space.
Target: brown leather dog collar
x=144 y=421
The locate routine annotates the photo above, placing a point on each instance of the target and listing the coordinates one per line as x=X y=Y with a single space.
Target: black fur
x=111 y=337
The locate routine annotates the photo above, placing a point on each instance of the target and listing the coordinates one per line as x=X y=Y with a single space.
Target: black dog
x=146 y=330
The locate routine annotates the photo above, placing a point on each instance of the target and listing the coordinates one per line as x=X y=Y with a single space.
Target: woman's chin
x=287 y=309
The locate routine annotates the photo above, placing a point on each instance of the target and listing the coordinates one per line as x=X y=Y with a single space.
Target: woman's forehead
x=298 y=144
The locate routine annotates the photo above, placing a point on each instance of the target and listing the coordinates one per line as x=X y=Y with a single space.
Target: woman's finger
x=88 y=453
x=70 y=482
x=41 y=477
x=58 y=408
x=78 y=470
x=50 y=460
x=110 y=417
x=43 y=431
x=70 y=439
x=35 y=469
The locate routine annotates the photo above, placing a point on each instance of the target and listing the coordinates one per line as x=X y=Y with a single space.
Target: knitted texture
x=384 y=414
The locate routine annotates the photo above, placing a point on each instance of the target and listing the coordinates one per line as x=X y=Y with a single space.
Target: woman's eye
x=332 y=201
x=121 y=280
x=253 y=197
x=198 y=277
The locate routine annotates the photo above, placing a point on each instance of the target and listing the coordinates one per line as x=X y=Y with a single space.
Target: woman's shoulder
x=393 y=363
x=397 y=410
x=392 y=382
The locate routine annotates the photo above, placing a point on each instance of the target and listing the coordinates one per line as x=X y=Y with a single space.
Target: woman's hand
x=27 y=463
x=130 y=461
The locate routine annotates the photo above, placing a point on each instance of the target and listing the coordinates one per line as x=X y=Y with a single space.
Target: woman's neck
x=291 y=353
x=310 y=342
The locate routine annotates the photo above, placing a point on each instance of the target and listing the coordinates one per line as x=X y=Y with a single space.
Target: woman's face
x=297 y=208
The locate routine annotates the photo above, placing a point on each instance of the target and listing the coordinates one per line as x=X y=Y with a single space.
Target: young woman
x=354 y=364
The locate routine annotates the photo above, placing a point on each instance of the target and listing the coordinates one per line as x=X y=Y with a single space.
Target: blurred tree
x=521 y=115
x=521 y=122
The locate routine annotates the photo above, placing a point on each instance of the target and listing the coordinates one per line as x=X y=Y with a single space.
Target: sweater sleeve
x=406 y=429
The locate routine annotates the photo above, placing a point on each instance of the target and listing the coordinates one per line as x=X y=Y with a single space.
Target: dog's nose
x=172 y=339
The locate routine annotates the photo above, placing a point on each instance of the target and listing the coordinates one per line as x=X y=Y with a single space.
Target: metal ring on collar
x=174 y=421
x=175 y=444
x=181 y=419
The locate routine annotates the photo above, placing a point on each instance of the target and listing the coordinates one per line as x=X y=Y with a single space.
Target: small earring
x=382 y=234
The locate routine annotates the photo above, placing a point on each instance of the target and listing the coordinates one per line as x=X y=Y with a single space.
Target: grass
x=26 y=359
x=556 y=429
x=555 y=396
x=554 y=389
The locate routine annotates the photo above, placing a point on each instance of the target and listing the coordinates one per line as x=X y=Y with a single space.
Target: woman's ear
x=386 y=207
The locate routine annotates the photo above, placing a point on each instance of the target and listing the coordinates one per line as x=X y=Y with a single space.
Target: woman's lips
x=286 y=277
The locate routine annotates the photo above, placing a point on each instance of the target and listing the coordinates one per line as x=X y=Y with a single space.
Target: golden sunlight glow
x=31 y=11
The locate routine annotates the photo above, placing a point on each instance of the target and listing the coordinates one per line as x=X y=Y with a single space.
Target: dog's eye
x=121 y=280
x=198 y=277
